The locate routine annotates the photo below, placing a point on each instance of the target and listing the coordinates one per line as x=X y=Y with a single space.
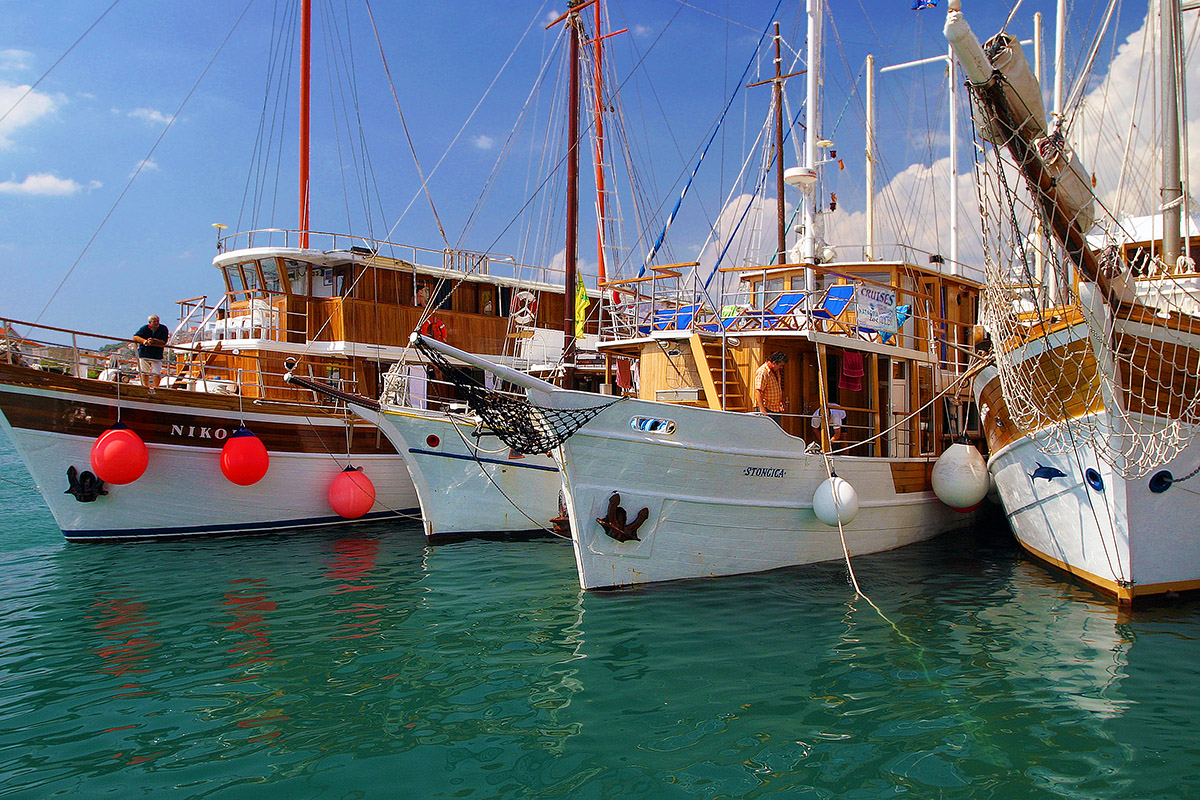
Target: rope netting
x=520 y=424
x=1114 y=362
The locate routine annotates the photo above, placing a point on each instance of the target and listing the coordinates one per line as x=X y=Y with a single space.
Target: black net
x=521 y=425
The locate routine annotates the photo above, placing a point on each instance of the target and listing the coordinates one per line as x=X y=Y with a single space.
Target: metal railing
x=458 y=260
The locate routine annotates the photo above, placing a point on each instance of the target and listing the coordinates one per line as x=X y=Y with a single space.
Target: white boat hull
x=726 y=494
x=470 y=484
x=1121 y=537
x=183 y=491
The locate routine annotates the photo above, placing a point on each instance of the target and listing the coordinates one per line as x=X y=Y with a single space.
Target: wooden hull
x=467 y=484
x=726 y=494
x=54 y=420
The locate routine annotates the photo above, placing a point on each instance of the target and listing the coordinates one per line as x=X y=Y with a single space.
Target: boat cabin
x=882 y=341
x=344 y=309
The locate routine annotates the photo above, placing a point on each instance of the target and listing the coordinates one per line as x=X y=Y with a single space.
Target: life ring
x=524 y=307
x=434 y=328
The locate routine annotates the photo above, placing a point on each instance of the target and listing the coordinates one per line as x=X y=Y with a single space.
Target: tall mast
x=598 y=109
x=777 y=98
x=572 y=244
x=305 y=86
x=870 y=160
x=808 y=245
x=1172 y=191
x=952 y=77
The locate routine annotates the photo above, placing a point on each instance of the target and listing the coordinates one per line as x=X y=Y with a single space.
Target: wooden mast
x=777 y=96
x=305 y=91
x=572 y=243
x=776 y=82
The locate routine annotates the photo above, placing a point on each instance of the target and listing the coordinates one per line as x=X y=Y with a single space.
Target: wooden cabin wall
x=658 y=371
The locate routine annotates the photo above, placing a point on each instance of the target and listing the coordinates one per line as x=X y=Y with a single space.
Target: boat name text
x=194 y=432
x=765 y=472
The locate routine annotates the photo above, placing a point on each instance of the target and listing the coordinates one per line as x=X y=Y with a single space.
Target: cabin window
x=233 y=276
x=926 y=422
x=250 y=276
x=769 y=291
x=297 y=277
x=271 y=276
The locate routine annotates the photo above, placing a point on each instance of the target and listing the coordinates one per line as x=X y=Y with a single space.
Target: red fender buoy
x=351 y=494
x=119 y=455
x=244 y=458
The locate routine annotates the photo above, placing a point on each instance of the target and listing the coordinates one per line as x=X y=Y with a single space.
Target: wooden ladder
x=719 y=374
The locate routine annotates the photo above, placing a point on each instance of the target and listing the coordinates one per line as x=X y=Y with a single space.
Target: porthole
x=1161 y=481
x=1094 y=480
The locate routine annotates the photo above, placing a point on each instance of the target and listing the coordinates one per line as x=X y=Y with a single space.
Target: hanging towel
x=852 y=371
x=624 y=374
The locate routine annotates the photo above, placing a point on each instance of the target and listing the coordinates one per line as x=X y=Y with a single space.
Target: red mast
x=305 y=68
x=599 y=123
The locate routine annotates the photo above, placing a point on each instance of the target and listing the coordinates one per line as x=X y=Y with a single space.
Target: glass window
x=271 y=276
x=233 y=274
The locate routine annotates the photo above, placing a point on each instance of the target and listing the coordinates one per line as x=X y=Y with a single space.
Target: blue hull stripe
x=501 y=462
x=248 y=527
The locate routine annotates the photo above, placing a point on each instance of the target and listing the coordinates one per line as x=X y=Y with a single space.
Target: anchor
x=616 y=523
x=86 y=487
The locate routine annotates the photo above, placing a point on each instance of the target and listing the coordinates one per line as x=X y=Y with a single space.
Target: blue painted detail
x=650 y=425
x=1049 y=473
x=249 y=527
x=1093 y=479
x=504 y=462
x=1161 y=481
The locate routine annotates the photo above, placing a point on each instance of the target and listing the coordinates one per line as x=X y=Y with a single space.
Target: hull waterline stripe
x=503 y=463
x=146 y=533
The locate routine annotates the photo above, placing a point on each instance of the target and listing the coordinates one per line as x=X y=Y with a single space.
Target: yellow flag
x=582 y=302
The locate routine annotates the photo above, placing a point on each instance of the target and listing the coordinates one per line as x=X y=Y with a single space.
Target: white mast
x=808 y=245
x=955 y=269
x=1172 y=192
x=870 y=160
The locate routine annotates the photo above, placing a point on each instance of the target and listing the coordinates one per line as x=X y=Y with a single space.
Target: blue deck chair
x=779 y=312
x=674 y=319
x=836 y=300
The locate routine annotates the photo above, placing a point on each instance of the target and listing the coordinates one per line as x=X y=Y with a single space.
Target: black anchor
x=86 y=487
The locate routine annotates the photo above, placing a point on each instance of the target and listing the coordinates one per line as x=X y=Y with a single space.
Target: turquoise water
x=360 y=663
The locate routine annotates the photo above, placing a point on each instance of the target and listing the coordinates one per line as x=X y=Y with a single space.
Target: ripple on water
x=361 y=662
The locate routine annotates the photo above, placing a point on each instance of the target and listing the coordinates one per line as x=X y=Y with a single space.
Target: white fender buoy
x=835 y=501
x=960 y=477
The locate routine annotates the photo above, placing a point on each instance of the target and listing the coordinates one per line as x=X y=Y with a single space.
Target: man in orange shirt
x=768 y=390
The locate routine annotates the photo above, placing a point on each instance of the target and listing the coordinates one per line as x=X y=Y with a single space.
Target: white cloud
x=153 y=116
x=642 y=31
x=483 y=142
x=22 y=107
x=14 y=60
x=147 y=165
x=43 y=184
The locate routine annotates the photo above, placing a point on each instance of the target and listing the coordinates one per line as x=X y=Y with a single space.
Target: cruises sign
x=876 y=308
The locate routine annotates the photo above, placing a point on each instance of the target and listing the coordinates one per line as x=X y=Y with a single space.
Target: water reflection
x=328 y=663
x=122 y=623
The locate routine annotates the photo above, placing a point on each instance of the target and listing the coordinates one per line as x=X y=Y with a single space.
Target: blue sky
x=69 y=214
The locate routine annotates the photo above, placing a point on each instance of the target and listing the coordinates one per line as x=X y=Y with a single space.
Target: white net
x=1112 y=361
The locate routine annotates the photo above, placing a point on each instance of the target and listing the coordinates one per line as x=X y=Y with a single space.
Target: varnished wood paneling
x=912 y=476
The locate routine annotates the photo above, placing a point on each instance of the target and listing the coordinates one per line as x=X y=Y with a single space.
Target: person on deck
x=768 y=389
x=151 y=338
x=837 y=416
